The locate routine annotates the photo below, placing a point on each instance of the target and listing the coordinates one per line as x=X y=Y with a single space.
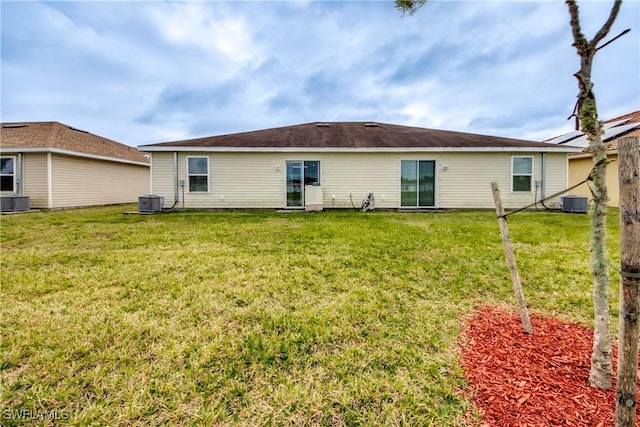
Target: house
x=58 y=166
x=341 y=162
x=580 y=164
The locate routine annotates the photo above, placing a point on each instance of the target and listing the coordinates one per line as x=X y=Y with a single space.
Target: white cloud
x=143 y=72
x=209 y=27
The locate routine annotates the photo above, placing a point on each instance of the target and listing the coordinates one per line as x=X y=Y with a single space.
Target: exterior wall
x=238 y=180
x=579 y=169
x=242 y=180
x=557 y=171
x=465 y=179
x=78 y=181
x=360 y=174
x=35 y=181
x=613 y=183
x=257 y=180
x=162 y=177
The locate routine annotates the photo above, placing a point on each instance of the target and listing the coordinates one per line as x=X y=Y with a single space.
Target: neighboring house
x=58 y=166
x=405 y=167
x=580 y=164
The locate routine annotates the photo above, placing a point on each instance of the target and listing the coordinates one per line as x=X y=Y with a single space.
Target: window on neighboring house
x=521 y=173
x=198 y=171
x=7 y=174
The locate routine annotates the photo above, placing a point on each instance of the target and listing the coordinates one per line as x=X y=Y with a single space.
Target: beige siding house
x=581 y=163
x=58 y=166
x=404 y=167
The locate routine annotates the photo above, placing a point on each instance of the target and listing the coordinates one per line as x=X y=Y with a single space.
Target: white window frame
x=14 y=174
x=189 y=175
x=513 y=175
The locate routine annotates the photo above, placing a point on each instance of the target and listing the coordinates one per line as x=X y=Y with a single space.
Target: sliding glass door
x=417 y=183
x=294 y=185
x=299 y=174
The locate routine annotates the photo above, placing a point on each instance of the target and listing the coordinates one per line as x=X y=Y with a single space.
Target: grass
x=259 y=318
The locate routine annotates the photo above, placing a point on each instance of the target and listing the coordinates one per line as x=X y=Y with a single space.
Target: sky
x=142 y=72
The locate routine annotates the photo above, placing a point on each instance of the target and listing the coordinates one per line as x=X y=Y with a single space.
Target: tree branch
x=607 y=25
x=586 y=51
x=579 y=40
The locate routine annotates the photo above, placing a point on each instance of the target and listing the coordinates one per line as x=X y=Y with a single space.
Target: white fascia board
x=545 y=149
x=70 y=153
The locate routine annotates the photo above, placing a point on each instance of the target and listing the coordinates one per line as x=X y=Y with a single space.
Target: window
x=521 y=172
x=417 y=183
x=7 y=174
x=198 y=171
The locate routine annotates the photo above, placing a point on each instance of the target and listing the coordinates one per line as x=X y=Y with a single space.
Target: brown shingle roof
x=351 y=135
x=54 y=135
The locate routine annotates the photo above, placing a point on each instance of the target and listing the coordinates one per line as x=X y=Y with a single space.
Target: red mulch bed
x=518 y=379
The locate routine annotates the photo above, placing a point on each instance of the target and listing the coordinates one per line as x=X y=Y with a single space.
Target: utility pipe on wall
x=20 y=180
x=543 y=173
x=176 y=191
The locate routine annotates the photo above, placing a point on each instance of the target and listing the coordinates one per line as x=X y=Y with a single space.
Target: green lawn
x=263 y=318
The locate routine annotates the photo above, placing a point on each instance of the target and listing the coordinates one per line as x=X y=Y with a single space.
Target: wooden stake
x=511 y=260
x=629 y=180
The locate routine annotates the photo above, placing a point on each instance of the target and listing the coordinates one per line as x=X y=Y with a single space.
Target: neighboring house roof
x=618 y=127
x=59 y=138
x=633 y=121
x=353 y=136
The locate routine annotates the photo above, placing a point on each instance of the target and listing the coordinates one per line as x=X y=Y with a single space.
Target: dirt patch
x=518 y=379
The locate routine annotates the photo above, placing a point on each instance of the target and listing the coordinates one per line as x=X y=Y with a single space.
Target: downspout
x=150 y=173
x=176 y=188
x=49 y=181
x=20 y=179
x=543 y=173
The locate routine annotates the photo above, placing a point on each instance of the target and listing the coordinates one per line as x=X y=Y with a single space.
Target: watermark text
x=34 y=414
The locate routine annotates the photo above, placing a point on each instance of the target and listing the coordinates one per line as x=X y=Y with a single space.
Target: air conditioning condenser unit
x=14 y=203
x=574 y=204
x=150 y=203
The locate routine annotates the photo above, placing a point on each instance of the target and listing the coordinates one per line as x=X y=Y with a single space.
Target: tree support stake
x=511 y=260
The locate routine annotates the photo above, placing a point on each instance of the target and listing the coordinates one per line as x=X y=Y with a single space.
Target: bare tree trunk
x=587 y=115
x=629 y=179
x=601 y=365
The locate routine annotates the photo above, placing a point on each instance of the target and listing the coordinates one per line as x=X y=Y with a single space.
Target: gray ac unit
x=14 y=203
x=574 y=204
x=150 y=203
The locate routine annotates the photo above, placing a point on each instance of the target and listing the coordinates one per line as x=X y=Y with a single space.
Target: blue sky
x=141 y=72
